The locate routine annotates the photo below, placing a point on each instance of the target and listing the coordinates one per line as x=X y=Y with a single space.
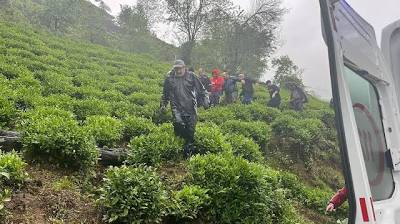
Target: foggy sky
x=303 y=41
x=301 y=34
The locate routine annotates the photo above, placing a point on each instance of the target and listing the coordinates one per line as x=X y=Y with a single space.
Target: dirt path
x=50 y=197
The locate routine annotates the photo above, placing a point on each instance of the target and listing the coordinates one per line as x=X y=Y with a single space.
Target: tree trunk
x=11 y=140
x=113 y=157
x=186 y=52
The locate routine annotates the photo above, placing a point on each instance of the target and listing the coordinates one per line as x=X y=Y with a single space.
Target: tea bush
x=54 y=136
x=306 y=132
x=312 y=198
x=154 y=148
x=87 y=92
x=12 y=72
x=165 y=127
x=217 y=115
x=12 y=170
x=143 y=99
x=245 y=147
x=60 y=101
x=107 y=131
x=327 y=117
x=132 y=195
x=209 y=139
x=242 y=112
x=258 y=131
x=8 y=113
x=26 y=92
x=136 y=126
x=239 y=191
x=189 y=202
x=263 y=113
x=121 y=109
x=53 y=83
x=91 y=107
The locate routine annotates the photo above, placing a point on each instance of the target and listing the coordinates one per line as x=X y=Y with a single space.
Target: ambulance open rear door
x=367 y=114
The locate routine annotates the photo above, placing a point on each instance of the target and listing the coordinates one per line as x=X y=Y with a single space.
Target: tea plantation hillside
x=68 y=99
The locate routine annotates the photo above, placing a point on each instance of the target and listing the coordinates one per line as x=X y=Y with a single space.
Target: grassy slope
x=28 y=12
x=38 y=69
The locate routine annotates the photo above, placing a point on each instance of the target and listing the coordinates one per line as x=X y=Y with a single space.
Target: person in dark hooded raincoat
x=184 y=91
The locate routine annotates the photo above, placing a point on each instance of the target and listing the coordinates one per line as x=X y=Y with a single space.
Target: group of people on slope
x=184 y=91
x=226 y=84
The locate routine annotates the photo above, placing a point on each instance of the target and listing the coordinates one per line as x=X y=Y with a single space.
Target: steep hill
x=255 y=164
x=84 y=22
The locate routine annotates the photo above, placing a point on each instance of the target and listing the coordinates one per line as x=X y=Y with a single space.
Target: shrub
x=150 y=110
x=143 y=99
x=26 y=92
x=239 y=190
x=87 y=92
x=155 y=148
x=7 y=112
x=54 y=83
x=12 y=169
x=136 y=126
x=91 y=107
x=12 y=71
x=217 y=115
x=305 y=132
x=132 y=195
x=209 y=139
x=258 y=131
x=327 y=117
x=54 y=135
x=128 y=85
x=263 y=113
x=112 y=96
x=60 y=101
x=165 y=127
x=162 y=117
x=312 y=198
x=188 y=202
x=120 y=109
x=245 y=147
x=292 y=113
x=107 y=131
x=242 y=112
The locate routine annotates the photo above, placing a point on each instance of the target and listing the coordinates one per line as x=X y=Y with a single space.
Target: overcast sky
x=301 y=34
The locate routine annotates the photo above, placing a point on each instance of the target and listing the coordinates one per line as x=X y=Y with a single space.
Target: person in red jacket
x=337 y=200
x=217 y=84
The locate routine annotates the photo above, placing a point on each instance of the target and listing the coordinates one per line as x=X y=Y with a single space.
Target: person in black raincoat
x=275 y=97
x=205 y=80
x=184 y=91
x=230 y=88
x=247 y=88
x=297 y=97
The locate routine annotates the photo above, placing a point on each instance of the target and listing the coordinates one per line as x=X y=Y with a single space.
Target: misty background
x=301 y=37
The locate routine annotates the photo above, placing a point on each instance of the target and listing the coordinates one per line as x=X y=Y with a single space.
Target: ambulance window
x=370 y=129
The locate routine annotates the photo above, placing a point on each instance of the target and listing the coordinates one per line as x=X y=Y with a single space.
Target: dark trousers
x=230 y=97
x=297 y=105
x=215 y=98
x=274 y=102
x=247 y=98
x=186 y=131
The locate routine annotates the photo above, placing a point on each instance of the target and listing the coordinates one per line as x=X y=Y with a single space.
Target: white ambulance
x=366 y=92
